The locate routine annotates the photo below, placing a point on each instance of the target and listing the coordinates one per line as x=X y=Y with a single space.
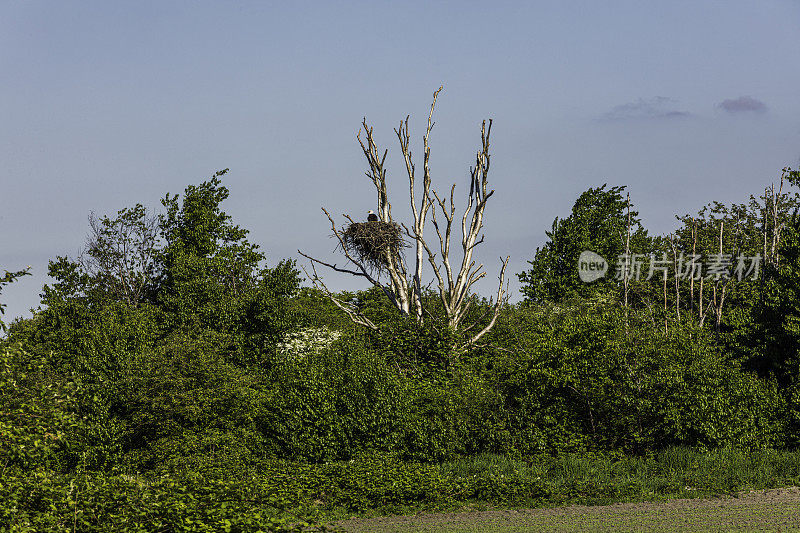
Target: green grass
x=374 y=485
x=489 y=481
x=666 y=473
x=492 y=482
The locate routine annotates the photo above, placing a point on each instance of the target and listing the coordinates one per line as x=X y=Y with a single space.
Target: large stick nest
x=373 y=243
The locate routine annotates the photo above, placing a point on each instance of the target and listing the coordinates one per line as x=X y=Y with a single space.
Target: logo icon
x=591 y=266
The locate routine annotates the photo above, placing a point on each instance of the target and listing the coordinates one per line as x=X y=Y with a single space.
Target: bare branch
x=331 y=266
x=501 y=298
x=356 y=316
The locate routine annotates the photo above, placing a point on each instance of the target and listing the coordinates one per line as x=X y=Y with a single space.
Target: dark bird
x=372 y=217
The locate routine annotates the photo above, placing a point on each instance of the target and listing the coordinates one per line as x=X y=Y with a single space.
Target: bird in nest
x=371 y=216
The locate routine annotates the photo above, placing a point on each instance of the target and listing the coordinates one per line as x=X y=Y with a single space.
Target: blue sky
x=106 y=104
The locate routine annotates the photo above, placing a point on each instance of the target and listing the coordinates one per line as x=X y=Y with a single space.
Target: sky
x=107 y=104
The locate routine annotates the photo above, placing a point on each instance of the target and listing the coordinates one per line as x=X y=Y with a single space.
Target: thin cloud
x=743 y=104
x=658 y=108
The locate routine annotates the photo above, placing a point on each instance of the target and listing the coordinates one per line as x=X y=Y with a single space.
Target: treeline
x=169 y=366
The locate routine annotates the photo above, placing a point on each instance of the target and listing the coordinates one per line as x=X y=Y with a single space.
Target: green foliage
x=332 y=403
x=594 y=479
x=43 y=502
x=579 y=378
x=118 y=264
x=417 y=346
x=774 y=339
x=777 y=317
x=122 y=255
x=38 y=413
x=171 y=380
x=9 y=277
x=183 y=399
x=738 y=230
x=210 y=270
x=284 y=496
x=598 y=223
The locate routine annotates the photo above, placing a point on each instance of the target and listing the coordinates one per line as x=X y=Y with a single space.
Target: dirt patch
x=770 y=510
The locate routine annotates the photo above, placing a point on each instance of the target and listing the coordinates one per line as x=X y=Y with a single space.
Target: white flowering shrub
x=307 y=340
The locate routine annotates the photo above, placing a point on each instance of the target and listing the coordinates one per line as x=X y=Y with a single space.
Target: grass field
x=771 y=510
x=678 y=489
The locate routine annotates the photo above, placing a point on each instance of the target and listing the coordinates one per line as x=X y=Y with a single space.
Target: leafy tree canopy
x=7 y=278
x=598 y=223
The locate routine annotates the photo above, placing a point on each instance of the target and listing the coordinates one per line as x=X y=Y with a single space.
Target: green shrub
x=39 y=419
x=43 y=502
x=332 y=403
x=577 y=377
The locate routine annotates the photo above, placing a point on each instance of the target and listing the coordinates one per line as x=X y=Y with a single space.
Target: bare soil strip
x=770 y=510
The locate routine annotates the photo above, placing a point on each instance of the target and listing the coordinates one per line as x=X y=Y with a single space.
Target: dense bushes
x=36 y=502
x=572 y=379
x=332 y=402
x=39 y=419
x=577 y=377
x=222 y=397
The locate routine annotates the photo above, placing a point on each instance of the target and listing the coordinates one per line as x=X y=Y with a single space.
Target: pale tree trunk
x=626 y=272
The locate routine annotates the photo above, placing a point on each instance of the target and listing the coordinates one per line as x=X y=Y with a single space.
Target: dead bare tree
x=404 y=287
x=673 y=244
x=626 y=273
x=774 y=219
